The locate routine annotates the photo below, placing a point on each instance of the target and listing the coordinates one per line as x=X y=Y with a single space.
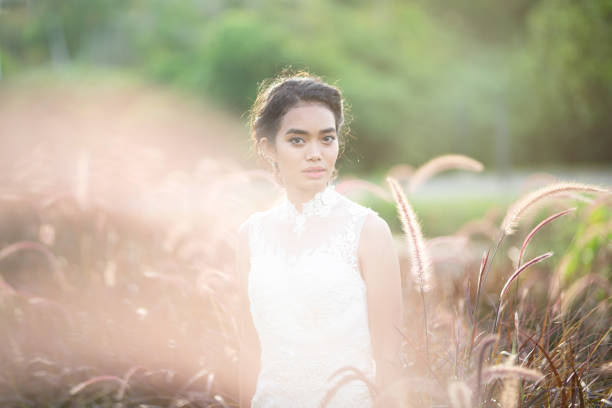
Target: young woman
x=318 y=273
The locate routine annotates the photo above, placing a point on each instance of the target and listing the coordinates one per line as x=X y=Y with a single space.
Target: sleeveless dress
x=308 y=302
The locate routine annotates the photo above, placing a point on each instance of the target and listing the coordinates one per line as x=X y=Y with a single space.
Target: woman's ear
x=267 y=149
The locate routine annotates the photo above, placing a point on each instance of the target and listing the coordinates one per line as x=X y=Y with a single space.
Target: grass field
x=136 y=306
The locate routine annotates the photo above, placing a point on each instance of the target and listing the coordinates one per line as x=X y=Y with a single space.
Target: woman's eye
x=329 y=139
x=296 y=140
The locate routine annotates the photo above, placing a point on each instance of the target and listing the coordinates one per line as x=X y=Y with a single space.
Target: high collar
x=319 y=205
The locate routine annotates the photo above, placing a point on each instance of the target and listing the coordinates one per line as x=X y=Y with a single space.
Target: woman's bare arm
x=249 y=363
x=380 y=268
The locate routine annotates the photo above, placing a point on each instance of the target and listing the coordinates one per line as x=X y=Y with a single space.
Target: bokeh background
x=516 y=83
x=125 y=165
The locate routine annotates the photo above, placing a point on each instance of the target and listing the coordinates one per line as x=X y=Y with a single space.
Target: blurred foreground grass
x=105 y=306
x=117 y=284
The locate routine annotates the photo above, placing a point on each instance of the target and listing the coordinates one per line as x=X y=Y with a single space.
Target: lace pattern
x=308 y=301
x=320 y=205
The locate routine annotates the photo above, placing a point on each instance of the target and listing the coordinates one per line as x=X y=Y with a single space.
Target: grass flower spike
x=440 y=164
x=421 y=265
x=518 y=208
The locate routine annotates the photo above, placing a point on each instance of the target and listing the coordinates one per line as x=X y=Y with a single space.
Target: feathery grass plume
x=355 y=184
x=400 y=172
x=126 y=381
x=77 y=388
x=519 y=207
x=510 y=391
x=502 y=371
x=483 y=263
x=537 y=180
x=459 y=394
x=440 y=164
x=421 y=265
x=356 y=375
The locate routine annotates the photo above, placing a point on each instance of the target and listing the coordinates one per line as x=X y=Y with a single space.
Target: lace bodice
x=308 y=301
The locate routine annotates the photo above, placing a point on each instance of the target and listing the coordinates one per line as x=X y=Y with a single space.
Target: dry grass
x=109 y=308
x=531 y=199
x=440 y=164
x=421 y=265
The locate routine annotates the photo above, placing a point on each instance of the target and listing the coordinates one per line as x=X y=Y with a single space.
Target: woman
x=319 y=277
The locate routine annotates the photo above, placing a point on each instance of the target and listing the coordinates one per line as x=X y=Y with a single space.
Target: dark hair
x=276 y=96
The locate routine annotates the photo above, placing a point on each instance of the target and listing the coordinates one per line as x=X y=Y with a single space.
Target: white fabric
x=308 y=302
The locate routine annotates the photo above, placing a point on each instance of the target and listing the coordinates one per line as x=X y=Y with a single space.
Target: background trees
x=526 y=82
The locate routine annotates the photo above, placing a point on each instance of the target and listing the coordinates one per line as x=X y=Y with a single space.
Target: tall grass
x=102 y=305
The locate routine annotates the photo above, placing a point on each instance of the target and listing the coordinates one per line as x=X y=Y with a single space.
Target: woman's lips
x=314 y=173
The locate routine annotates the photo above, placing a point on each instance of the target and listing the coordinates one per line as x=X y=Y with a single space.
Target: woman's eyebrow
x=303 y=132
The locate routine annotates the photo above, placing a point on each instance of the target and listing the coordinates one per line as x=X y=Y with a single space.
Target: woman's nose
x=313 y=153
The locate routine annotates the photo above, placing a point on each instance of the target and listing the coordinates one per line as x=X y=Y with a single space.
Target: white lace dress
x=308 y=302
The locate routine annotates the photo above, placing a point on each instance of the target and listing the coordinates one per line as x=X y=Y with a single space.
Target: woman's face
x=306 y=146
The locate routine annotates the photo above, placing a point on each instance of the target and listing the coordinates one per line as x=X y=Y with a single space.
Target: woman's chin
x=313 y=184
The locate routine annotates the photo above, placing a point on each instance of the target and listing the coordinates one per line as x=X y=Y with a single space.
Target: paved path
x=510 y=185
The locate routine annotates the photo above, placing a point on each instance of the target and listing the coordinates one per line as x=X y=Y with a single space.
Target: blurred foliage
x=589 y=251
x=519 y=82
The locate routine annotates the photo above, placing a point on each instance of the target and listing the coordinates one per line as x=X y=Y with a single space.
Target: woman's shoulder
x=375 y=226
x=368 y=224
x=372 y=224
x=375 y=231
